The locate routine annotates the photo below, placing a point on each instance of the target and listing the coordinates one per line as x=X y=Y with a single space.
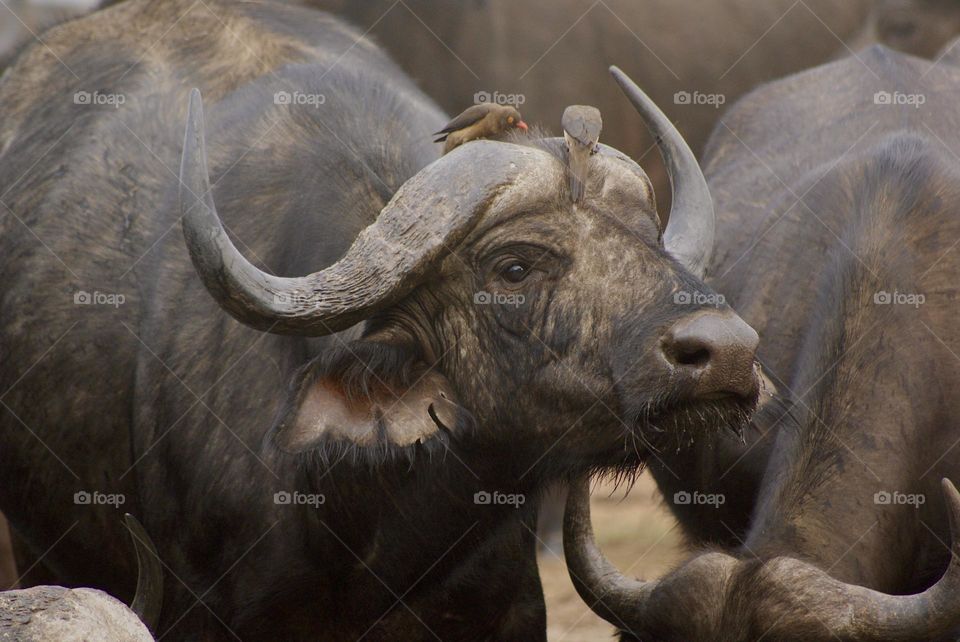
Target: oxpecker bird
x=487 y=120
x=581 y=129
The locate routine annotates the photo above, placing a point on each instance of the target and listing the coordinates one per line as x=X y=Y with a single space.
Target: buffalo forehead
x=624 y=185
x=615 y=181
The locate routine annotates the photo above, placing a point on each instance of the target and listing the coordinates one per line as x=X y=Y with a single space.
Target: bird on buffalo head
x=487 y=120
x=581 y=129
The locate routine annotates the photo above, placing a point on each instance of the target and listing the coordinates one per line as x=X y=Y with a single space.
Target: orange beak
x=522 y=125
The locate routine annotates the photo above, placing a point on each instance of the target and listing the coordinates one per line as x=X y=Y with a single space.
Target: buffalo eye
x=514 y=272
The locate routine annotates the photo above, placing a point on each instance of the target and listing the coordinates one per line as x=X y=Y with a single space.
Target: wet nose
x=717 y=350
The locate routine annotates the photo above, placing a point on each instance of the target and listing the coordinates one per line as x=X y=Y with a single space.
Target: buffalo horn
x=427 y=217
x=690 y=227
x=148 y=599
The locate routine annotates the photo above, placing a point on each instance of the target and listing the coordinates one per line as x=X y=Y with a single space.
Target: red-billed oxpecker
x=487 y=120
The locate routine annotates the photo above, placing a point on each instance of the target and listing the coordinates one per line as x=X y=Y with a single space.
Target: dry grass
x=637 y=534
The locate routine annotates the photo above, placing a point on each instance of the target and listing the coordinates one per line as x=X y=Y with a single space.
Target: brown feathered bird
x=487 y=120
x=581 y=129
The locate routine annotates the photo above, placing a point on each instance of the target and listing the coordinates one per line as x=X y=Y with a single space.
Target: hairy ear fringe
x=363 y=369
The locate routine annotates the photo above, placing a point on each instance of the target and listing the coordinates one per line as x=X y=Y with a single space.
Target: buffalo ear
x=368 y=395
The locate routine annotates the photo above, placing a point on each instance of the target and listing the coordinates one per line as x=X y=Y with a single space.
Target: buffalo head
x=496 y=308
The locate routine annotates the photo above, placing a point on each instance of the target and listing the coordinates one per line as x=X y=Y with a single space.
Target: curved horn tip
x=194 y=151
x=195 y=97
x=625 y=81
x=148 y=600
x=195 y=112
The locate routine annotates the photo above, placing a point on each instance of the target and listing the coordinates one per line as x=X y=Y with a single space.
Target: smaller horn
x=148 y=599
x=616 y=598
x=581 y=129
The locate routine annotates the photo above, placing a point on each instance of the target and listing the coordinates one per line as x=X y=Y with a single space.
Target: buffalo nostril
x=697 y=357
x=715 y=350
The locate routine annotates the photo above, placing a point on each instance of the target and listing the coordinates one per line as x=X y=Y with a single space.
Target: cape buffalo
x=836 y=191
x=546 y=54
x=360 y=455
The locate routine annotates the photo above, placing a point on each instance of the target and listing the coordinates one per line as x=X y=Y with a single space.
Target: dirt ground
x=637 y=533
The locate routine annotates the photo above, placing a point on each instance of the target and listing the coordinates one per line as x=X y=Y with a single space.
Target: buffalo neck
x=843 y=488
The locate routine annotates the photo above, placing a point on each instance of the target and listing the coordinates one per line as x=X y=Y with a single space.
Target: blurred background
x=694 y=58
